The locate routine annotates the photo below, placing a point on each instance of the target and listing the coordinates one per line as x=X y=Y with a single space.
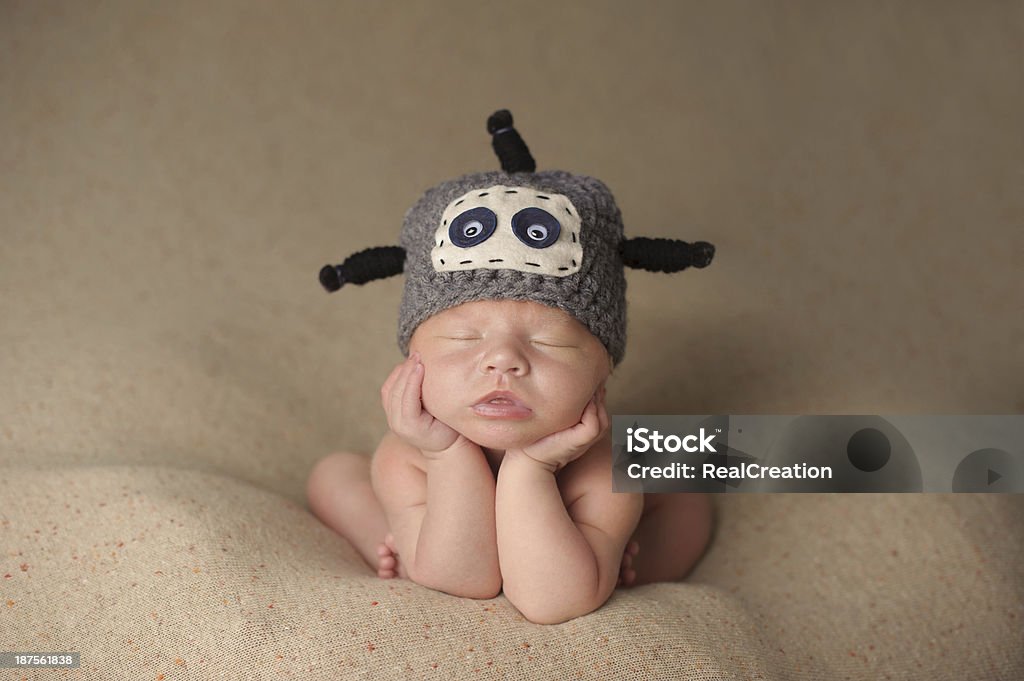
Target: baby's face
x=549 y=362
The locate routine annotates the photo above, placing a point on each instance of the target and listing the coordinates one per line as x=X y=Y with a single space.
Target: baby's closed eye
x=553 y=343
x=460 y=336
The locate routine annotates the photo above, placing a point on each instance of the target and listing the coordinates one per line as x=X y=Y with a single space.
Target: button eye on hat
x=551 y=237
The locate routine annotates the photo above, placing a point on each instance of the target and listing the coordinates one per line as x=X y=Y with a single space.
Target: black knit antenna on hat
x=665 y=255
x=367 y=265
x=508 y=145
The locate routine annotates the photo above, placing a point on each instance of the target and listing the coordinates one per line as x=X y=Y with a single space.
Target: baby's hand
x=558 y=449
x=401 y=397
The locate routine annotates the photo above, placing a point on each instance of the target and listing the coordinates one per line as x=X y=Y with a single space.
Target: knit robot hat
x=550 y=237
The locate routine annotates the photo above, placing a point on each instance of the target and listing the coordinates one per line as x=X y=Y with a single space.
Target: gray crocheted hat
x=551 y=237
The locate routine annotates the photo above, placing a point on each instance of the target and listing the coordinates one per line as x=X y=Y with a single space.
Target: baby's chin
x=497 y=437
x=504 y=434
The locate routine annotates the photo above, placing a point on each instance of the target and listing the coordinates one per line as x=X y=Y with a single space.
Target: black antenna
x=373 y=263
x=665 y=255
x=508 y=145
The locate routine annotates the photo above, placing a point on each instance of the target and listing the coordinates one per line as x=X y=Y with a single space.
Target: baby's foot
x=387 y=558
x=627 y=575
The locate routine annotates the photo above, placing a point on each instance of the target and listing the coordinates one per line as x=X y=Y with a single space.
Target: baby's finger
x=397 y=395
x=590 y=414
x=586 y=429
x=385 y=390
x=602 y=412
x=411 y=404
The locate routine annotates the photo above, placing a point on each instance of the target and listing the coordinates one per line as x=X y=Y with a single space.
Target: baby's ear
x=364 y=266
x=665 y=255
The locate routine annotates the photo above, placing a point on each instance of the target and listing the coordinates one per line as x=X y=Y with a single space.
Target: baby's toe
x=387 y=559
x=633 y=548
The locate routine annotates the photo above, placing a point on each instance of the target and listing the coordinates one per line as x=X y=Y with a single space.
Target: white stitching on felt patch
x=503 y=249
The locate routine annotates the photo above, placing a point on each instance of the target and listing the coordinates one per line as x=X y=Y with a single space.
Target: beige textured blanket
x=149 y=571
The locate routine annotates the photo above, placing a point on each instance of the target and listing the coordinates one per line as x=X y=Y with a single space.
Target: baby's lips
x=507 y=405
x=510 y=398
x=502 y=409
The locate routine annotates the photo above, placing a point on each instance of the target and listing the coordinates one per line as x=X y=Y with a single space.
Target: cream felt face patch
x=516 y=228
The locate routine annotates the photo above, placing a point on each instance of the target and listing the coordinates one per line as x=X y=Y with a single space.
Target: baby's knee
x=701 y=512
x=343 y=462
x=335 y=469
x=707 y=509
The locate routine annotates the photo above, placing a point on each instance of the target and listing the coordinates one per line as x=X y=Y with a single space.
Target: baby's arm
x=442 y=521
x=557 y=562
x=440 y=512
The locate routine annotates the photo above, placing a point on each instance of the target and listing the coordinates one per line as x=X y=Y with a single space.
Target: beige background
x=173 y=176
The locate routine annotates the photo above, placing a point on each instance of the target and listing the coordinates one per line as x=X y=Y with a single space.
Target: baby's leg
x=672 y=534
x=340 y=495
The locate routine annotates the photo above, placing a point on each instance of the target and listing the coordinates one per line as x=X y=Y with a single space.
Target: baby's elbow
x=485 y=592
x=546 y=617
x=480 y=587
x=543 y=609
x=555 y=613
x=483 y=589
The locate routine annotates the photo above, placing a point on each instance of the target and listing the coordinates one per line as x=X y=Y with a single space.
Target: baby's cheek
x=576 y=398
x=566 y=413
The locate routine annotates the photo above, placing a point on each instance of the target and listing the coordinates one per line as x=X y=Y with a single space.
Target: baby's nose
x=506 y=359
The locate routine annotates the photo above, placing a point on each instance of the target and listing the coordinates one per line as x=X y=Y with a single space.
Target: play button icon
x=990 y=470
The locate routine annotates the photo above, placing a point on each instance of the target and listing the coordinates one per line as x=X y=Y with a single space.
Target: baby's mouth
x=501 y=404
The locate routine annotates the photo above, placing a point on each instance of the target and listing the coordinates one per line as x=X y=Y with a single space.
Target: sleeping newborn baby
x=496 y=472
